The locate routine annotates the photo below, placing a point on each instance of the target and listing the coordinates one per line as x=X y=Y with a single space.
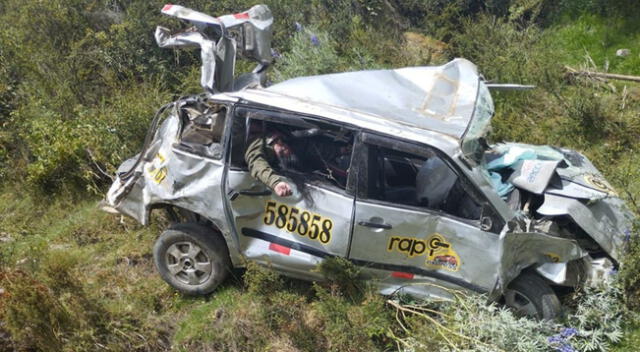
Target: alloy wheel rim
x=188 y=263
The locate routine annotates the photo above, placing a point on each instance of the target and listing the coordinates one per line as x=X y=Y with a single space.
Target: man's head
x=284 y=152
x=281 y=148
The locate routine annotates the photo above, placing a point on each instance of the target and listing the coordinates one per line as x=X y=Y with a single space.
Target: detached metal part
x=248 y=32
x=509 y=86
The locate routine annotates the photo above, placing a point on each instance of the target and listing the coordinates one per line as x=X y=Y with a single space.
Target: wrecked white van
x=423 y=204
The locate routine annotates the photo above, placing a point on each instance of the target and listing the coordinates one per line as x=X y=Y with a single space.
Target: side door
x=292 y=234
x=416 y=226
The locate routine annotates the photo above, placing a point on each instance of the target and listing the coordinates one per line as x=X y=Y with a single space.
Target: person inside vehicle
x=266 y=152
x=331 y=160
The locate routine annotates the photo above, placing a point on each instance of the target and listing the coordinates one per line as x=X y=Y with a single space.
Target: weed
x=342 y=279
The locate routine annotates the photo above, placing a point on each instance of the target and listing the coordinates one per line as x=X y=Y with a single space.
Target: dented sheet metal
x=438 y=98
x=571 y=186
x=521 y=250
x=219 y=39
x=571 y=189
x=208 y=51
x=607 y=220
x=561 y=218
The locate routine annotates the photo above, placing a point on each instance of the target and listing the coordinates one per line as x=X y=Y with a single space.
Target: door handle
x=375 y=225
x=233 y=194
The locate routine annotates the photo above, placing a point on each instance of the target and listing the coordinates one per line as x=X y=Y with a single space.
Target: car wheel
x=530 y=295
x=192 y=258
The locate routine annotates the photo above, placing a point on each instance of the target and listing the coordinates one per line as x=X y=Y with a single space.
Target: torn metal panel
x=574 y=273
x=571 y=186
x=219 y=38
x=252 y=30
x=173 y=177
x=521 y=250
x=575 y=190
x=190 y=15
x=589 y=178
x=607 y=221
x=165 y=39
x=554 y=272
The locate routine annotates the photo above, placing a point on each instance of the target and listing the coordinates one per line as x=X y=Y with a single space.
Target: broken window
x=321 y=151
x=202 y=129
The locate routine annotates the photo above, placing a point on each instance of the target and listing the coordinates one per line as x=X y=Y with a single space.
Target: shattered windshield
x=473 y=143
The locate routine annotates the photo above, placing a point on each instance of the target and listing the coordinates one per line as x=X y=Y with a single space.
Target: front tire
x=192 y=258
x=530 y=295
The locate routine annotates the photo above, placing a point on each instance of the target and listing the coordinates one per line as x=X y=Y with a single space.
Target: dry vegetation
x=80 y=80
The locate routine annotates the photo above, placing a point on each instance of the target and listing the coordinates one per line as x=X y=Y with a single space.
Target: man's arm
x=259 y=166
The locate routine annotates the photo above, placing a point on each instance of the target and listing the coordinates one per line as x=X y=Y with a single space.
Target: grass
x=83 y=280
x=78 y=279
x=592 y=41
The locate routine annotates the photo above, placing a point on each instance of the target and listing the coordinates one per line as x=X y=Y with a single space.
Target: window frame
x=362 y=147
x=184 y=148
x=290 y=119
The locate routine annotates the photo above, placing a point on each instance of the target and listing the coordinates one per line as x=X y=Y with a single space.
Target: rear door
x=415 y=225
x=292 y=234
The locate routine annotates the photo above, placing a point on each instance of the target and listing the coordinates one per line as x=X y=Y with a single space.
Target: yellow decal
x=301 y=222
x=554 y=257
x=159 y=173
x=408 y=245
x=439 y=253
x=600 y=184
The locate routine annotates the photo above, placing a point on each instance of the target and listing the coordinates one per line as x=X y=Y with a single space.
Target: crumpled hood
x=570 y=186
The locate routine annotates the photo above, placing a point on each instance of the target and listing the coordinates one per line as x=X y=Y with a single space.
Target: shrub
x=468 y=322
x=312 y=52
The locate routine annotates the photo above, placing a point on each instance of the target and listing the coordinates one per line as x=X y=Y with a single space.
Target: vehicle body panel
x=425 y=244
x=266 y=224
x=539 y=204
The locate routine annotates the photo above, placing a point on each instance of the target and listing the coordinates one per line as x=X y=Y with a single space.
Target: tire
x=530 y=295
x=192 y=258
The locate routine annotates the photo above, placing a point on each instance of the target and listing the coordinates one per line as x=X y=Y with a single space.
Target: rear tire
x=530 y=295
x=192 y=258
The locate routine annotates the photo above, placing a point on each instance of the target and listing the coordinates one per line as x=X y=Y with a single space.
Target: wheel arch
x=529 y=282
x=179 y=216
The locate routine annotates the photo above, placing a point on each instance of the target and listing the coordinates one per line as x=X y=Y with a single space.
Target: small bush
x=470 y=323
x=260 y=280
x=32 y=314
x=312 y=52
x=343 y=278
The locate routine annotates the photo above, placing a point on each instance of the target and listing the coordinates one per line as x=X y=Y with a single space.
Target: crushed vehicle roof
x=434 y=98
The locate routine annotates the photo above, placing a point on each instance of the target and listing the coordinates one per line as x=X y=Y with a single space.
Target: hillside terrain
x=80 y=81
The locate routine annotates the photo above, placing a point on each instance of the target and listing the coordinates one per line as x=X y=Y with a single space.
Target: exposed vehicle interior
x=322 y=151
x=407 y=179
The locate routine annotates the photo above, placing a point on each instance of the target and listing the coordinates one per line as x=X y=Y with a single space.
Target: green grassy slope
x=79 y=81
